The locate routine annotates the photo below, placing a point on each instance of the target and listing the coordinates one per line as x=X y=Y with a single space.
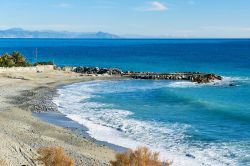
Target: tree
x=18 y=59
x=6 y=60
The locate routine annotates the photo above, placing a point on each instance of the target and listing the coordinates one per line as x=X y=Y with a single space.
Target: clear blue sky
x=169 y=18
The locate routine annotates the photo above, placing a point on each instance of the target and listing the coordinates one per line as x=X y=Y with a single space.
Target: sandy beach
x=23 y=134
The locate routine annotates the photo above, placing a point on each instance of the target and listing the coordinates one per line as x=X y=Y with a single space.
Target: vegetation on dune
x=54 y=156
x=44 y=63
x=142 y=156
x=16 y=59
x=12 y=60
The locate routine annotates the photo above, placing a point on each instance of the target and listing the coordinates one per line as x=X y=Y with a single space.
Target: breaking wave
x=227 y=81
x=119 y=126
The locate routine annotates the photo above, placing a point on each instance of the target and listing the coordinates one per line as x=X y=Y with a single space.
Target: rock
x=191 y=76
x=96 y=70
x=67 y=69
x=57 y=68
x=231 y=84
x=191 y=156
x=205 y=78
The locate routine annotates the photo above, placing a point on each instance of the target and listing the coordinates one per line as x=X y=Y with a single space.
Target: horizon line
x=120 y=36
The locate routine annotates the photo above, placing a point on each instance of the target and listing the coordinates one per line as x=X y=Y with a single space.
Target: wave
x=114 y=86
x=120 y=127
x=227 y=81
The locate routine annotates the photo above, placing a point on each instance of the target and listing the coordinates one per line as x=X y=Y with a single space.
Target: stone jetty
x=189 y=76
x=97 y=70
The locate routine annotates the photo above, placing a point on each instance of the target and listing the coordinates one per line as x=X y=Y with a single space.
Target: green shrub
x=44 y=63
x=16 y=59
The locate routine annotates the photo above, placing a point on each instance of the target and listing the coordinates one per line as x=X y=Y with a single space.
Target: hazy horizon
x=128 y=36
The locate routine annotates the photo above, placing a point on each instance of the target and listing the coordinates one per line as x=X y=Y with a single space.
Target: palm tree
x=18 y=58
x=1 y=61
x=7 y=60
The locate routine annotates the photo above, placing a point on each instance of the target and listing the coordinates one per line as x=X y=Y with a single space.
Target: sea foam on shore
x=107 y=121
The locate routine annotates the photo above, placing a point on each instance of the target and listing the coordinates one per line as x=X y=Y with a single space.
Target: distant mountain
x=21 y=33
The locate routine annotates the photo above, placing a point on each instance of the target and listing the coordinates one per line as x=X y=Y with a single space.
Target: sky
x=131 y=18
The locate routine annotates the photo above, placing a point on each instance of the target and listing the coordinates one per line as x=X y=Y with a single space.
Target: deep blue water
x=230 y=57
x=196 y=124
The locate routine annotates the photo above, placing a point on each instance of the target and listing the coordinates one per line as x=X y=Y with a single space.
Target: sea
x=188 y=123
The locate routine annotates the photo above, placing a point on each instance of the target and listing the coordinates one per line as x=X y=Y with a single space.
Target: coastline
x=186 y=119
x=23 y=134
x=30 y=120
x=59 y=119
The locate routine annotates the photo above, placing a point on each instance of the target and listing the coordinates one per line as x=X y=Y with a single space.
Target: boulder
x=96 y=70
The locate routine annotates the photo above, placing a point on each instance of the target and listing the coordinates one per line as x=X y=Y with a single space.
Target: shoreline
x=42 y=107
x=59 y=119
x=53 y=116
x=23 y=134
x=30 y=120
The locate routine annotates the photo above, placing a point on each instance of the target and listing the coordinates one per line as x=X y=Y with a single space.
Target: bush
x=14 y=59
x=142 y=156
x=54 y=156
x=44 y=63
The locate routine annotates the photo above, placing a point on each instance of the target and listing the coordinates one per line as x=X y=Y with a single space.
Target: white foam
x=236 y=79
x=226 y=81
x=182 y=84
x=108 y=134
x=114 y=86
x=119 y=127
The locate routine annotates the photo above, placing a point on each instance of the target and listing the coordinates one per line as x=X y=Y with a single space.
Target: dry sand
x=21 y=134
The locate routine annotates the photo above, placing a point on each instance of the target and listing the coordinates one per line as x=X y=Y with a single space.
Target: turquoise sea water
x=188 y=123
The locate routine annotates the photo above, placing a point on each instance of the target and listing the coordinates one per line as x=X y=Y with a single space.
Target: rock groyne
x=189 y=76
x=97 y=70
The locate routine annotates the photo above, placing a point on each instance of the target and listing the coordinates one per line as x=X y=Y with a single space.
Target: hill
x=21 y=33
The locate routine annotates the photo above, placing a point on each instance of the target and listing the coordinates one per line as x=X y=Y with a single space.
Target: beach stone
x=68 y=68
x=37 y=100
x=190 y=155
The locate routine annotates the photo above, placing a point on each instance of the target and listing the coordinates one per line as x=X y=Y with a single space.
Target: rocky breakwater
x=189 y=76
x=98 y=71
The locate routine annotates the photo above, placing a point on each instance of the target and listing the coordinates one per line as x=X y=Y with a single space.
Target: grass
x=142 y=156
x=54 y=156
